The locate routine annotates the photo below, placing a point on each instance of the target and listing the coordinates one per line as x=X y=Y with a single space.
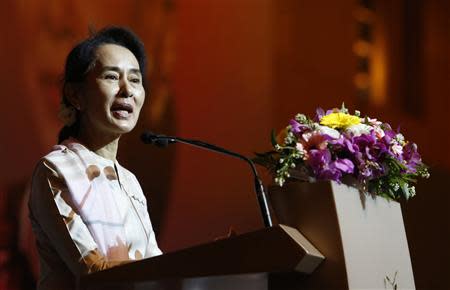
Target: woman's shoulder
x=47 y=170
x=59 y=155
x=61 y=160
x=67 y=149
x=57 y=151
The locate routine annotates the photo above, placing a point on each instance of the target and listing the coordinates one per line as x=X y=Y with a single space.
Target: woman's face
x=112 y=95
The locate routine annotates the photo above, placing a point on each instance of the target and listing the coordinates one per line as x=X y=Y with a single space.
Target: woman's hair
x=81 y=60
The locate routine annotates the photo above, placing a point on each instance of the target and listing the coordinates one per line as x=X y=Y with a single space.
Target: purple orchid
x=411 y=157
x=319 y=114
x=368 y=150
x=325 y=168
x=298 y=128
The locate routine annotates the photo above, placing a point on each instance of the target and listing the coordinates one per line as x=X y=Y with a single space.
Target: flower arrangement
x=336 y=145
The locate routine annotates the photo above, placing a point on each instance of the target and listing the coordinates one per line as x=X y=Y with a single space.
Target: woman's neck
x=105 y=146
x=109 y=150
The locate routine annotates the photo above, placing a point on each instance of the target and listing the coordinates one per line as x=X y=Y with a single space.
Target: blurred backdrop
x=228 y=72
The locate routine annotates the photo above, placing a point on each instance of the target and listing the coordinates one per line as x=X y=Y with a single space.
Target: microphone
x=164 y=141
x=158 y=140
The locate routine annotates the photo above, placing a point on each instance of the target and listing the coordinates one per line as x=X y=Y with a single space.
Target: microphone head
x=162 y=143
x=158 y=140
x=149 y=137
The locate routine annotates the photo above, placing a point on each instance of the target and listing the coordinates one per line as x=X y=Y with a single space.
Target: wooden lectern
x=362 y=237
x=242 y=262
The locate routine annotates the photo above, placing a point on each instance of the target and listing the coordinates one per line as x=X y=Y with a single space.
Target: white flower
x=374 y=122
x=307 y=136
x=359 y=129
x=400 y=138
x=397 y=149
x=329 y=131
x=412 y=191
x=301 y=149
x=379 y=132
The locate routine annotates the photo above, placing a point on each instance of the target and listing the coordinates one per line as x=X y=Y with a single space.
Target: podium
x=241 y=262
x=362 y=237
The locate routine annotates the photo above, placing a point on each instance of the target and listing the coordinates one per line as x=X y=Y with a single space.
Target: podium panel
x=362 y=236
x=240 y=262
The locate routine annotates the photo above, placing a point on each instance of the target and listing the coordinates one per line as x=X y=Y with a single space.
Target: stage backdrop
x=228 y=72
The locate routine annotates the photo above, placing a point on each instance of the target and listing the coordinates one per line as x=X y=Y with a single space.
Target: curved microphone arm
x=163 y=141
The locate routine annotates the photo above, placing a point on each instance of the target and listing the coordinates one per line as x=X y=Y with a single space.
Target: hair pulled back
x=81 y=59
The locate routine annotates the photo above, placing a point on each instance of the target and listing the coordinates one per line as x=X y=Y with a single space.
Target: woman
x=89 y=213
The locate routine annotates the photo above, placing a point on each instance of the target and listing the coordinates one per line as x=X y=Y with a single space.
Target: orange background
x=228 y=72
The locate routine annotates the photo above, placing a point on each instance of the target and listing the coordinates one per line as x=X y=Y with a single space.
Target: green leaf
x=273 y=138
x=343 y=108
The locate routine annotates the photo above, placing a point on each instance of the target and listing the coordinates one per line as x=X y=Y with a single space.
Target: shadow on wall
x=428 y=230
x=18 y=256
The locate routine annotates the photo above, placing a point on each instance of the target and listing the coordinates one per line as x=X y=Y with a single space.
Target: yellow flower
x=339 y=120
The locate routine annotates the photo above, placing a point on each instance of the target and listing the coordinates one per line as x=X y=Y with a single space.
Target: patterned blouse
x=88 y=213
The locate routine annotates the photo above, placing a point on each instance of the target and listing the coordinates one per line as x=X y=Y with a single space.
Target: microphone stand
x=163 y=141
